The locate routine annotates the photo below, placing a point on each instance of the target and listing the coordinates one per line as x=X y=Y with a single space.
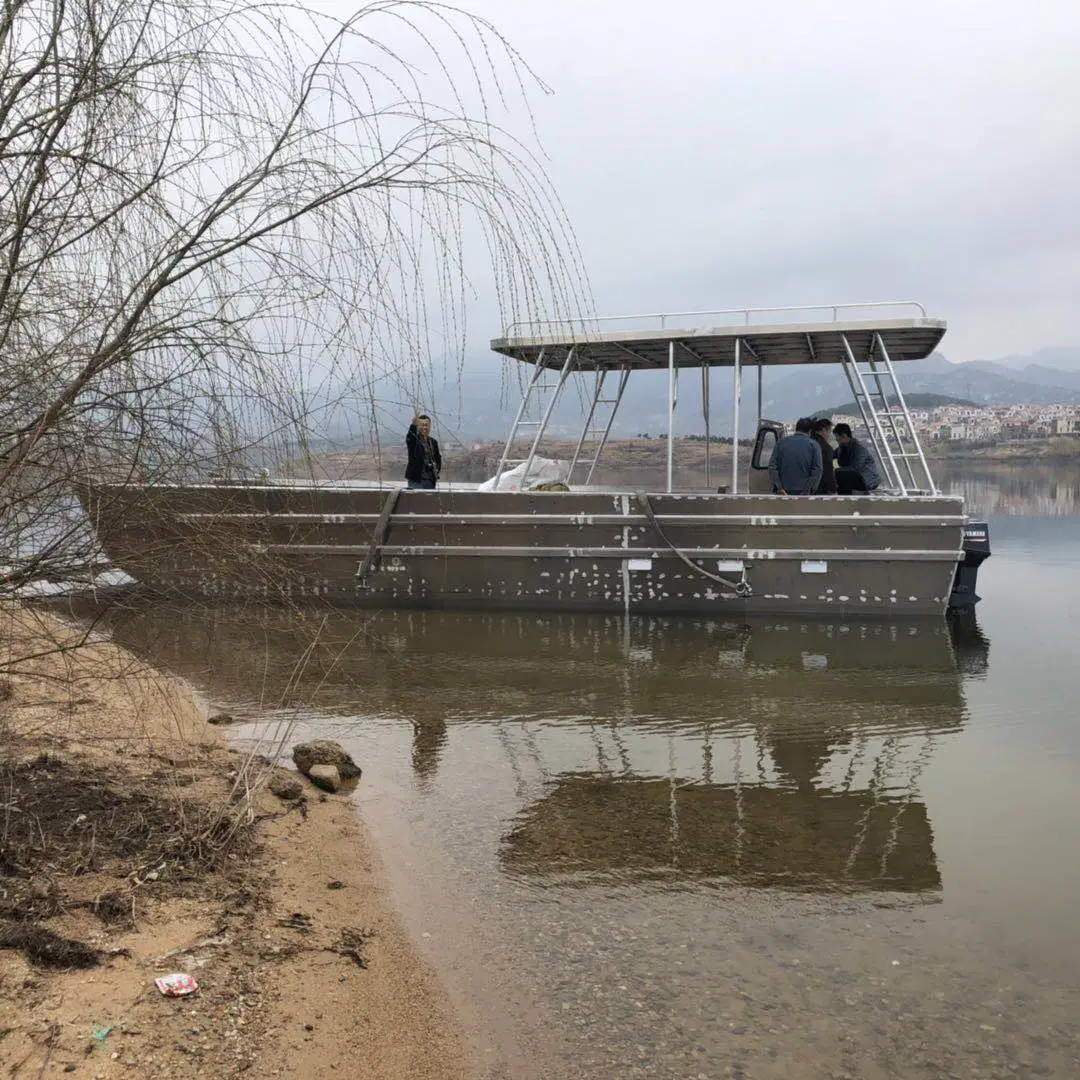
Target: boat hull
x=589 y=551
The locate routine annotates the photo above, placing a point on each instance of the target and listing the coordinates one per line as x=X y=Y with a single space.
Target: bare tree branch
x=218 y=218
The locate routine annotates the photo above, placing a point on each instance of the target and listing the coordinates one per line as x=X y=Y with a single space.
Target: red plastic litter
x=176 y=985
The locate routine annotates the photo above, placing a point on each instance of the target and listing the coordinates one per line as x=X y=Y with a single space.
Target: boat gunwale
x=340 y=487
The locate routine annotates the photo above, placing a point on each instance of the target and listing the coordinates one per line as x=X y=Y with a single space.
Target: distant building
x=989 y=423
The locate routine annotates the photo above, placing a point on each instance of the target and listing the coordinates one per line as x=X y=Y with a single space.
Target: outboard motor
x=976 y=551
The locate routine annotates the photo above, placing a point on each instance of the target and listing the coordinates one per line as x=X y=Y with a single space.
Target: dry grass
x=67 y=828
x=114 y=792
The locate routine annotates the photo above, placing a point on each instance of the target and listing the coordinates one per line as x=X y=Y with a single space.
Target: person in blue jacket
x=795 y=466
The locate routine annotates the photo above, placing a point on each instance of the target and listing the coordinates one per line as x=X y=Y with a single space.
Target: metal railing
x=662 y=317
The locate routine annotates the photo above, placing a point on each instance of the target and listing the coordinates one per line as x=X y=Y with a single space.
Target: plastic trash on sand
x=176 y=985
x=544 y=470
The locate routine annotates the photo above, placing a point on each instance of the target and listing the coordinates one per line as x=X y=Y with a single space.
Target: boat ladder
x=534 y=414
x=887 y=418
x=599 y=418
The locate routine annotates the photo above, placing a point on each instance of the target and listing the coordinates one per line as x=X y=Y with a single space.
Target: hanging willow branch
x=220 y=218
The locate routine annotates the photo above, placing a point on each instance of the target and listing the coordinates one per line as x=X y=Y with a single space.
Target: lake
x=691 y=848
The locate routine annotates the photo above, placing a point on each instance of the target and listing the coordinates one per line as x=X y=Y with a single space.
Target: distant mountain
x=914 y=401
x=1036 y=374
x=1055 y=357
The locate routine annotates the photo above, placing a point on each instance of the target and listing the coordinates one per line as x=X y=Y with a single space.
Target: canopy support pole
x=737 y=398
x=759 y=369
x=673 y=399
x=917 y=442
x=708 y=434
x=889 y=413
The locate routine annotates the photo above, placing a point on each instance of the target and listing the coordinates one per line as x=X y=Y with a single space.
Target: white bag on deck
x=544 y=470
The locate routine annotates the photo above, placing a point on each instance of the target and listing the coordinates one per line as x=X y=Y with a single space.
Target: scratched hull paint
x=588 y=551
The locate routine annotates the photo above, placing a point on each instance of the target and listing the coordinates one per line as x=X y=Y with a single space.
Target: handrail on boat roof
x=747 y=313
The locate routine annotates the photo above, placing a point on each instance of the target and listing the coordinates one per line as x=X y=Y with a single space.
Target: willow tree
x=217 y=216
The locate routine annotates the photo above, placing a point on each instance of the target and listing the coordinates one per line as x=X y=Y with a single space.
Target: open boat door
x=769 y=433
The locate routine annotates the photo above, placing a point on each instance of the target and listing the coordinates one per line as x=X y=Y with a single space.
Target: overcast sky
x=785 y=152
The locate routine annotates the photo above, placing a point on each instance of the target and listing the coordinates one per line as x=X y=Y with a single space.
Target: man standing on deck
x=856 y=470
x=425 y=461
x=795 y=466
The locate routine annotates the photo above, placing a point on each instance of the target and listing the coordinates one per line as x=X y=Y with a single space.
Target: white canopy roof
x=775 y=343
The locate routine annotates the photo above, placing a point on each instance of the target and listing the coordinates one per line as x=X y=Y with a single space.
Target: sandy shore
x=134 y=842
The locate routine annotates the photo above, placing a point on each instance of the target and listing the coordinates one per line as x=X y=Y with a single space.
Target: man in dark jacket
x=795 y=466
x=425 y=461
x=856 y=470
x=819 y=432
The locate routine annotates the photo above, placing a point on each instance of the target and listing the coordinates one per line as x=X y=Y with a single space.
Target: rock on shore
x=326 y=777
x=285 y=786
x=324 y=752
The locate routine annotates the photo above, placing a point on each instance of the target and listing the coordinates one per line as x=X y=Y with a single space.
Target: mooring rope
x=741 y=587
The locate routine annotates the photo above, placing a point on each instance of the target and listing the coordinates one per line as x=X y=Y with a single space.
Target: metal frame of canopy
x=863 y=345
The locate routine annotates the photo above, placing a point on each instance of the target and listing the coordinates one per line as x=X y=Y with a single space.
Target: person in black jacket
x=856 y=470
x=819 y=432
x=425 y=461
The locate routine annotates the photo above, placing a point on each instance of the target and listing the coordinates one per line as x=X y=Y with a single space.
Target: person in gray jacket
x=795 y=466
x=856 y=469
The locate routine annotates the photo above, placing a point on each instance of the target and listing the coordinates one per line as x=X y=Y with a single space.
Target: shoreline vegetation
x=621 y=456
x=134 y=842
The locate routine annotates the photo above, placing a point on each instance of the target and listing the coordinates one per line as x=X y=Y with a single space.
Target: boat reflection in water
x=816 y=789
x=771 y=754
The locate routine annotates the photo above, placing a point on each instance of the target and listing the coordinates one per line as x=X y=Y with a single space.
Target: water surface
x=691 y=849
